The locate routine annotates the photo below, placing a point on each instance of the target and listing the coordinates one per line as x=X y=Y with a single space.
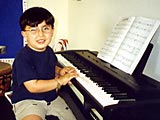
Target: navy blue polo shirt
x=30 y=65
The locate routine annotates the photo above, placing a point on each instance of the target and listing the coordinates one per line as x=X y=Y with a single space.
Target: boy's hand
x=68 y=69
x=66 y=78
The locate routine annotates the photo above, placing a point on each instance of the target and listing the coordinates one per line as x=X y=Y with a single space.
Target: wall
x=91 y=21
x=87 y=23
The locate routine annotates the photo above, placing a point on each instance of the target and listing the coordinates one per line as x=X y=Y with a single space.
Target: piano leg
x=87 y=108
x=73 y=103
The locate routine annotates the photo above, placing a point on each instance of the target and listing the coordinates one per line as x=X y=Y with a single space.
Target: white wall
x=87 y=23
x=91 y=21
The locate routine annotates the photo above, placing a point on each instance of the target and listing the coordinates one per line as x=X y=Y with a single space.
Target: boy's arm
x=64 y=77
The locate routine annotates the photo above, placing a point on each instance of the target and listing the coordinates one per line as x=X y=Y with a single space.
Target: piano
x=103 y=92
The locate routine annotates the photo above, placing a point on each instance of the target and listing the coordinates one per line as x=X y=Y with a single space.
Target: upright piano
x=104 y=92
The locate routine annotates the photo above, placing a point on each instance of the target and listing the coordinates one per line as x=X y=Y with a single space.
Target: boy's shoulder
x=23 y=52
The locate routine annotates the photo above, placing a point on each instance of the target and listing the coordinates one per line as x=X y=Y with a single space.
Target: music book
x=128 y=41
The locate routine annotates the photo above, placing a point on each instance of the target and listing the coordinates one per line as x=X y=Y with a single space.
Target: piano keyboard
x=98 y=92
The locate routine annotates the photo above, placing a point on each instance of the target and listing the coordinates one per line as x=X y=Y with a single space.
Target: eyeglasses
x=45 y=29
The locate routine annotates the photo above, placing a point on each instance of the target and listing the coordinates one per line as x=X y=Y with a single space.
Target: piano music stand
x=140 y=67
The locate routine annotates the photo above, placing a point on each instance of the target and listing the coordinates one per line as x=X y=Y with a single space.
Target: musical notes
x=127 y=42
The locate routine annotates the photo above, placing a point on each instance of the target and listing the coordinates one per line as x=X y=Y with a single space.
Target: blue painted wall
x=10 y=36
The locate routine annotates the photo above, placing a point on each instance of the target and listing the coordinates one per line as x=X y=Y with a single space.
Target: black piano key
x=127 y=100
x=111 y=90
x=98 y=79
x=104 y=84
x=119 y=96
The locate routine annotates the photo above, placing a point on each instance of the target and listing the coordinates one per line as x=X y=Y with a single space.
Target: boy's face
x=39 y=37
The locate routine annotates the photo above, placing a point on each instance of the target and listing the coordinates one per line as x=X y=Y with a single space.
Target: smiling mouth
x=40 y=41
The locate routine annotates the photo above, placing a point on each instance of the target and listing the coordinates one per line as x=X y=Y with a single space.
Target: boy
x=36 y=77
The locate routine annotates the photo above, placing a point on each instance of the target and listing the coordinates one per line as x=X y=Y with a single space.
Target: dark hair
x=34 y=16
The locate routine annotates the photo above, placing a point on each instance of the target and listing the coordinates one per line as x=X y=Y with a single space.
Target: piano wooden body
x=103 y=92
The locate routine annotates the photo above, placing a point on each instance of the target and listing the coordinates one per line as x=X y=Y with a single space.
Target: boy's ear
x=23 y=33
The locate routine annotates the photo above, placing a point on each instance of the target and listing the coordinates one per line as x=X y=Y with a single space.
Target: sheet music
x=125 y=53
x=115 y=39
